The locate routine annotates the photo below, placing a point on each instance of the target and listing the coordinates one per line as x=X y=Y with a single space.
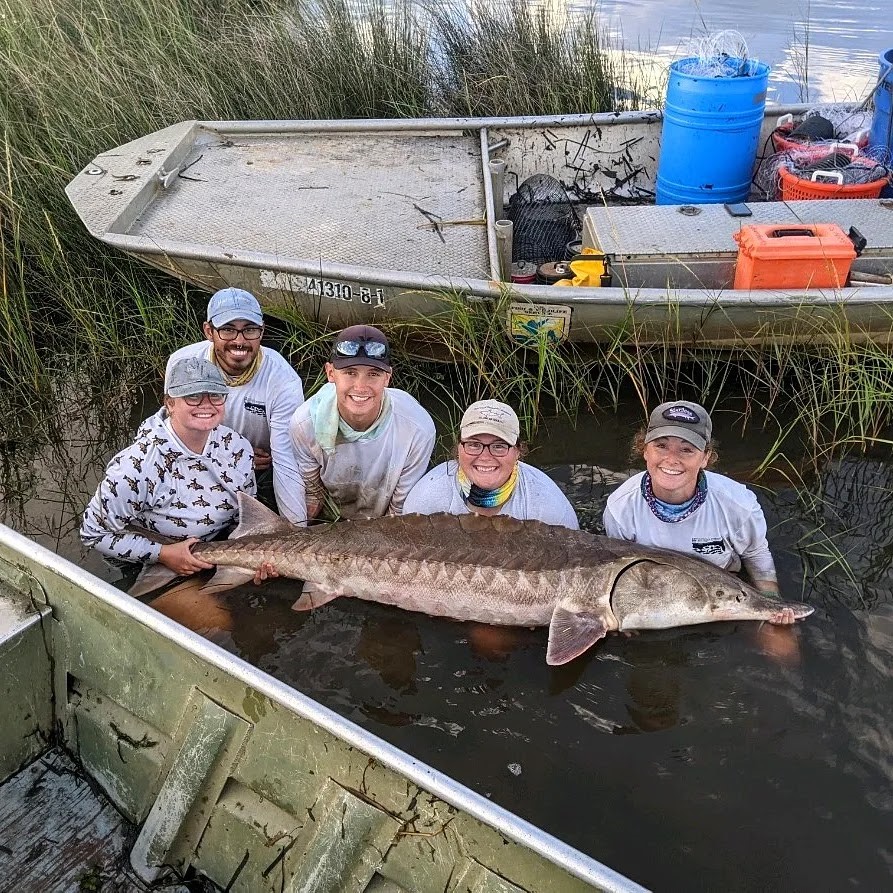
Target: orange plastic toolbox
x=797 y=255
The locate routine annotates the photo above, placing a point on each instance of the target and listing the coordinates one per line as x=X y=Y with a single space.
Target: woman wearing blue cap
x=677 y=504
x=179 y=478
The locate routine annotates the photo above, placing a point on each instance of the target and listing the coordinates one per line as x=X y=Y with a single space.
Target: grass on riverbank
x=78 y=78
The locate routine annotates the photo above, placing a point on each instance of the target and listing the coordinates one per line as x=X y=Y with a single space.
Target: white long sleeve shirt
x=536 y=497
x=261 y=410
x=728 y=530
x=366 y=478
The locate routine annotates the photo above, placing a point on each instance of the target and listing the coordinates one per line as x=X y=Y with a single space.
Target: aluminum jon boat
x=130 y=744
x=395 y=220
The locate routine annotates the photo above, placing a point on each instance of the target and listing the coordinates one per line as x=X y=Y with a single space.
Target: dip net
x=544 y=218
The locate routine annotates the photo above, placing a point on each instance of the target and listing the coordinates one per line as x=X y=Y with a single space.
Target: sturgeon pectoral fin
x=228 y=578
x=312 y=596
x=571 y=633
x=152 y=576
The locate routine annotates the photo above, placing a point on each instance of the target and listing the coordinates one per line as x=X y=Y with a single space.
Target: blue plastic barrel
x=711 y=132
x=882 y=122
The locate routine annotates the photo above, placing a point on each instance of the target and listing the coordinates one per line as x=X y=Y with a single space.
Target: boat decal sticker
x=528 y=322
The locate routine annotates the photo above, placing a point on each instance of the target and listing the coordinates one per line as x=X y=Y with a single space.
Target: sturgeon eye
x=739 y=597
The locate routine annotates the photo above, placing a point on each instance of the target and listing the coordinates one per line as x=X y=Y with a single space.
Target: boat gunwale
x=522 y=832
x=866 y=295
x=353 y=125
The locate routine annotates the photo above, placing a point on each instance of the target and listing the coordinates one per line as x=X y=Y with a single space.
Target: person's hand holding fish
x=179 y=558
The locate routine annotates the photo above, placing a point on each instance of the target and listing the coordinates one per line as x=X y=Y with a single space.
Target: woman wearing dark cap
x=677 y=504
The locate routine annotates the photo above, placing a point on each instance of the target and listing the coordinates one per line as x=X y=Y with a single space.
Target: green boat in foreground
x=215 y=769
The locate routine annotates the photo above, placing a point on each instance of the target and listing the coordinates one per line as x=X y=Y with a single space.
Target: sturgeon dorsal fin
x=571 y=633
x=255 y=518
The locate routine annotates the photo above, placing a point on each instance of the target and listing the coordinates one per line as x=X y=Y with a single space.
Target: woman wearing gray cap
x=487 y=476
x=677 y=504
x=179 y=478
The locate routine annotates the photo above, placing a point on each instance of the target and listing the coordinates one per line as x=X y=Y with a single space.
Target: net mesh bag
x=544 y=218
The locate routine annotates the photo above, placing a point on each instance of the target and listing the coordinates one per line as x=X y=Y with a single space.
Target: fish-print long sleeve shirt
x=159 y=484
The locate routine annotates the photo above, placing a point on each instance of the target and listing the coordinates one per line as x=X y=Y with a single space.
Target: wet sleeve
x=307 y=482
x=753 y=546
x=119 y=500
x=287 y=481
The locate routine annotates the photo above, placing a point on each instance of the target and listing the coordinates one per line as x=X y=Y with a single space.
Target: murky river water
x=728 y=756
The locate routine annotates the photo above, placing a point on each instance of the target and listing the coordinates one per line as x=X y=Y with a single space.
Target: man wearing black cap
x=357 y=441
x=264 y=391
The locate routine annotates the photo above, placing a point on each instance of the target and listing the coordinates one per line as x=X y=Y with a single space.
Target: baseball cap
x=490 y=417
x=361 y=346
x=230 y=304
x=194 y=375
x=690 y=421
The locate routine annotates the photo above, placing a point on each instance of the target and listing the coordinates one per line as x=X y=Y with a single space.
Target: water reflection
x=671 y=737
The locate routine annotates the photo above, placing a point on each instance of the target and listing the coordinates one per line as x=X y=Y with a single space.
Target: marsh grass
x=76 y=79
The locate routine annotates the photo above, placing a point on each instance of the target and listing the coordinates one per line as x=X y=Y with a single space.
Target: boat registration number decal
x=528 y=323
x=318 y=286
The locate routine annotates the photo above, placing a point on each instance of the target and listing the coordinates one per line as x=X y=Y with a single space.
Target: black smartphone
x=738 y=209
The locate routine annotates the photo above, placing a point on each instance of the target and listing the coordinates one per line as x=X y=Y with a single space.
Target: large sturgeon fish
x=493 y=570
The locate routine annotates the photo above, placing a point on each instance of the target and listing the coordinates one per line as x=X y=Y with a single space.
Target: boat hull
x=392 y=221
x=229 y=772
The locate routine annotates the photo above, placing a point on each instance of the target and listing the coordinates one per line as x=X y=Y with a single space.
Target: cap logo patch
x=681 y=414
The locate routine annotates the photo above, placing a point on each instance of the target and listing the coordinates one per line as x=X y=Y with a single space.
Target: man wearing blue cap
x=264 y=390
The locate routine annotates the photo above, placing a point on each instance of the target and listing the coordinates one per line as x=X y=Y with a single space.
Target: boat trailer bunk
x=134 y=749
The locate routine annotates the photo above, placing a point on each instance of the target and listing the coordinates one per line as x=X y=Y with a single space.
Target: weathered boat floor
x=57 y=834
x=353 y=198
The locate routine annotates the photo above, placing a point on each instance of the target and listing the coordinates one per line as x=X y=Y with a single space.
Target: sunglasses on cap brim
x=375 y=350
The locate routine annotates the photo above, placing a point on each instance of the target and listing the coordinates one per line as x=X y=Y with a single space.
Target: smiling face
x=487 y=471
x=674 y=464
x=192 y=423
x=360 y=391
x=235 y=356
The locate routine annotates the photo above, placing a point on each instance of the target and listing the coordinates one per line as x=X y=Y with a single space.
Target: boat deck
x=58 y=835
x=365 y=199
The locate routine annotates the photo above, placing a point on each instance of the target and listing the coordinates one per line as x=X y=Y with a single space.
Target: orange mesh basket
x=795 y=188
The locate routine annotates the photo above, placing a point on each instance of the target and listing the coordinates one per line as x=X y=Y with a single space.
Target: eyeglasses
x=498 y=449
x=198 y=399
x=249 y=333
x=375 y=350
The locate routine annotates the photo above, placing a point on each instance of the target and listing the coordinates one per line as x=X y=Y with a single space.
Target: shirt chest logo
x=255 y=408
x=708 y=547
